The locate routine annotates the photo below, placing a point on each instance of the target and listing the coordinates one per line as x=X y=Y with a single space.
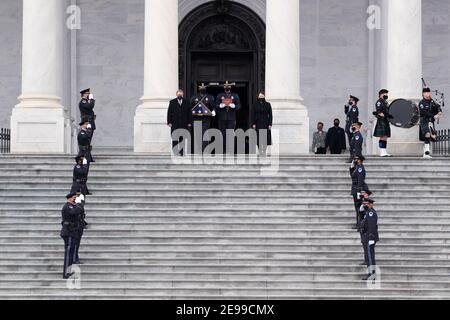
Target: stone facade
x=335 y=58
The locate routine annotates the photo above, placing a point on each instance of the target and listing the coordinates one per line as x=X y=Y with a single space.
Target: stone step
x=225 y=284
x=192 y=192
x=397 y=221
x=191 y=229
x=225 y=268
x=436 y=239
x=110 y=247
x=90 y=255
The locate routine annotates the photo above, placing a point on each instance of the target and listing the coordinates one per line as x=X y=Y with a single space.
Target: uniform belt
x=80 y=180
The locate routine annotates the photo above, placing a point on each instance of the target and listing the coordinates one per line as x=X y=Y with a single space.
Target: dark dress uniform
x=383 y=127
x=428 y=110
x=209 y=102
x=356 y=145
x=352 y=113
x=227 y=116
x=179 y=115
x=369 y=230
x=336 y=140
x=87 y=112
x=80 y=176
x=84 y=144
x=262 y=118
x=358 y=175
x=70 y=232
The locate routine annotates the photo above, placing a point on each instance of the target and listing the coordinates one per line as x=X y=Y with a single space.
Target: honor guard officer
x=430 y=111
x=352 y=113
x=87 y=105
x=80 y=201
x=203 y=107
x=84 y=140
x=358 y=175
x=70 y=231
x=356 y=144
x=227 y=105
x=80 y=176
x=383 y=127
x=370 y=237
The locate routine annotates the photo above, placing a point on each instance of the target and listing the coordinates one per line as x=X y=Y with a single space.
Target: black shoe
x=89 y=193
x=363 y=264
x=67 y=276
x=355 y=227
x=370 y=277
x=78 y=262
x=92 y=161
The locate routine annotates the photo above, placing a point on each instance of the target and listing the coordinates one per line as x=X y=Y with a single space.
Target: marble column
x=283 y=76
x=151 y=133
x=39 y=121
x=401 y=64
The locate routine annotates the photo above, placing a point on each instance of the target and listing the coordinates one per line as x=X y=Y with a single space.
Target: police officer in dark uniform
x=70 y=232
x=383 y=127
x=203 y=107
x=357 y=141
x=370 y=237
x=430 y=111
x=87 y=105
x=84 y=140
x=358 y=175
x=227 y=105
x=80 y=176
x=80 y=201
x=352 y=113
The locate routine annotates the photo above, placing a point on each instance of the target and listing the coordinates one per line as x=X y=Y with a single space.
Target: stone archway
x=222 y=27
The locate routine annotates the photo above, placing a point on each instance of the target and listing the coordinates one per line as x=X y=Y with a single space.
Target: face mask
x=385 y=97
x=180 y=97
x=350 y=103
x=366 y=208
x=261 y=99
x=336 y=124
x=353 y=129
x=203 y=91
x=227 y=90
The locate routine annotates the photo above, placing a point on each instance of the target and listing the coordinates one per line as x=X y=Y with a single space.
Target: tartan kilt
x=424 y=129
x=382 y=129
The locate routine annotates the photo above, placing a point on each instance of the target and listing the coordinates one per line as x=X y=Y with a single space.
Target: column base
x=151 y=134
x=39 y=125
x=405 y=141
x=291 y=120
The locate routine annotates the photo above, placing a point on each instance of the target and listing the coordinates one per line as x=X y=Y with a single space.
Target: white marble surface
x=283 y=76
x=160 y=76
x=39 y=122
x=334 y=58
x=401 y=65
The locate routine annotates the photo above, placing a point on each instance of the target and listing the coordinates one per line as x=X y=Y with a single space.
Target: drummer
x=383 y=128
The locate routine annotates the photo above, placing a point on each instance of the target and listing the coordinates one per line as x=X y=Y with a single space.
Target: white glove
x=358 y=195
x=81 y=197
x=89 y=126
x=78 y=200
x=91 y=96
x=222 y=105
x=353 y=165
x=85 y=162
x=214 y=113
x=233 y=106
x=371 y=243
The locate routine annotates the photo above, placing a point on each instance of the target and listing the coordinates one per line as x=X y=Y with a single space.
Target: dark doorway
x=224 y=41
